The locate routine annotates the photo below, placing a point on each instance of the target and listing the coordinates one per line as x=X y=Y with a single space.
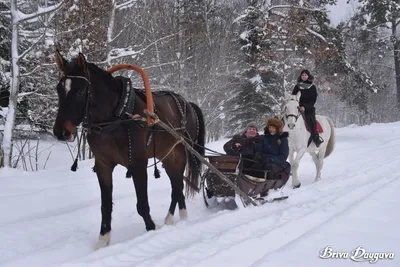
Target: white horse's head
x=291 y=110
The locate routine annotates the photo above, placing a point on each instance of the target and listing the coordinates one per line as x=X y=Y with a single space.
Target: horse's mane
x=99 y=71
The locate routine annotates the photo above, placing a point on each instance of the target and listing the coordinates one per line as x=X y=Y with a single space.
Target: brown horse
x=104 y=105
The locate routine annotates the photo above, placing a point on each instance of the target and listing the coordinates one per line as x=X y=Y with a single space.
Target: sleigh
x=254 y=183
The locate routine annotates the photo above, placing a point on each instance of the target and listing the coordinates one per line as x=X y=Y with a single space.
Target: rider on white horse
x=307 y=101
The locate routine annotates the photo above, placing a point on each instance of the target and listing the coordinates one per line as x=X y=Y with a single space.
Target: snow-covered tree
x=258 y=84
x=5 y=50
x=381 y=21
x=18 y=19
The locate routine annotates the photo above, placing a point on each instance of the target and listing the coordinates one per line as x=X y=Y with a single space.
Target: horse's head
x=73 y=90
x=291 y=110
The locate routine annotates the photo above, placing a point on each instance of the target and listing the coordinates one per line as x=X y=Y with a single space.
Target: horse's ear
x=286 y=96
x=82 y=62
x=60 y=61
x=298 y=97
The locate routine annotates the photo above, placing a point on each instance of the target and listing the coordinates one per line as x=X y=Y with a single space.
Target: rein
x=292 y=115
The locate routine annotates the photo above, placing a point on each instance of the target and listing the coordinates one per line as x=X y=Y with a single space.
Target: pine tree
x=381 y=19
x=258 y=84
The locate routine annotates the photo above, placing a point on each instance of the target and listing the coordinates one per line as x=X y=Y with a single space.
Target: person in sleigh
x=273 y=149
x=244 y=144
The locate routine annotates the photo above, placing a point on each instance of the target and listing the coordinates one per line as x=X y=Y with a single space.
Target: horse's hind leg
x=319 y=163
x=139 y=173
x=104 y=175
x=317 y=166
x=175 y=166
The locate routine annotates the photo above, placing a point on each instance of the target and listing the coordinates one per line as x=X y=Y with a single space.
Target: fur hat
x=252 y=124
x=276 y=122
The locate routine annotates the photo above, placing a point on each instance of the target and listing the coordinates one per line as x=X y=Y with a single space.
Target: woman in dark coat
x=273 y=149
x=305 y=85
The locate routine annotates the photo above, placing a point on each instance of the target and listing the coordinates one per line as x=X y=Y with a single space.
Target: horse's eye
x=81 y=91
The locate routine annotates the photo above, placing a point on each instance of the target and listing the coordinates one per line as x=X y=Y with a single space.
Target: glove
x=258 y=158
x=267 y=160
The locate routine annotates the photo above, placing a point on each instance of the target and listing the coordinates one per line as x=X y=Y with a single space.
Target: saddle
x=319 y=127
x=319 y=130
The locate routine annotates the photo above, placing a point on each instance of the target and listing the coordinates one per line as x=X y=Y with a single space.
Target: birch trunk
x=10 y=120
x=17 y=18
x=396 y=55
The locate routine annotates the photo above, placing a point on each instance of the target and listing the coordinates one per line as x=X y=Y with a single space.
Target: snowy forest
x=234 y=58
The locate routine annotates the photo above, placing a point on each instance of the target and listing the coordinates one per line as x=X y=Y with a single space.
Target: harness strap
x=127 y=101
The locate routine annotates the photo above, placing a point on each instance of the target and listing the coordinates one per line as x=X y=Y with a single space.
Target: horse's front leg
x=175 y=167
x=139 y=172
x=295 y=165
x=291 y=156
x=104 y=175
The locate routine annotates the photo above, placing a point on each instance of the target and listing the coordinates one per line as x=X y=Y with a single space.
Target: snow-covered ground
x=52 y=217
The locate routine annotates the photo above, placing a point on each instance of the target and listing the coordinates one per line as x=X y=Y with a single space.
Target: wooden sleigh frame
x=232 y=167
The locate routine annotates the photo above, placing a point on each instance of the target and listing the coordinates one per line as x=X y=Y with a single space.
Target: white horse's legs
x=321 y=156
x=291 y=160
x=295 y=165
x=318 y=159
x=318 y=166
x=291 y=156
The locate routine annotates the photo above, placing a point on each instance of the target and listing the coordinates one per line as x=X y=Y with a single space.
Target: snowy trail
x=230 y=234
x=388 y=189
x=54 y=215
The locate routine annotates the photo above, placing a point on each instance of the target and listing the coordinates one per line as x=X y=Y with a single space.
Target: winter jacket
x=308 y=91
x=247 y=149
x=273 y=148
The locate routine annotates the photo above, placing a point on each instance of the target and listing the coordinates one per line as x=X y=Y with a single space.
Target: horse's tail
x=195 y=163
x=331 y=142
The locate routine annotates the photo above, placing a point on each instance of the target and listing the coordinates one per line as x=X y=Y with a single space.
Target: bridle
x=86 y=124
x=292 y=115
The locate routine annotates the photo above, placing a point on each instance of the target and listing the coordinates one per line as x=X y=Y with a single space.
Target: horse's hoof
x=150 y=225
x=169 y=220
x=183 y=215
x=296 y=186
x=104 y=241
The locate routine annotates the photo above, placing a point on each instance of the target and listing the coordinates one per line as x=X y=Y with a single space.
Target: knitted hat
x=252 y=124
x=276 y=122
x=306 y=72
x=310 y=77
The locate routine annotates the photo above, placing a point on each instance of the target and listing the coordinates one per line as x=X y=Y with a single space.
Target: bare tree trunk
x=79 y=145
x=396 y=54
x=90 y=150
x=1 y=157
x=9 y=126
x=17 y=19
x=110 y=32
x=83 y=146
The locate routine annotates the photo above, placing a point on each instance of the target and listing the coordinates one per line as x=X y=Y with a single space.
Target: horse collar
x=127 y=100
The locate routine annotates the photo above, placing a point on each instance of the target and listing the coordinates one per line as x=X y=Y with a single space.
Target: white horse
x=299 y=136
